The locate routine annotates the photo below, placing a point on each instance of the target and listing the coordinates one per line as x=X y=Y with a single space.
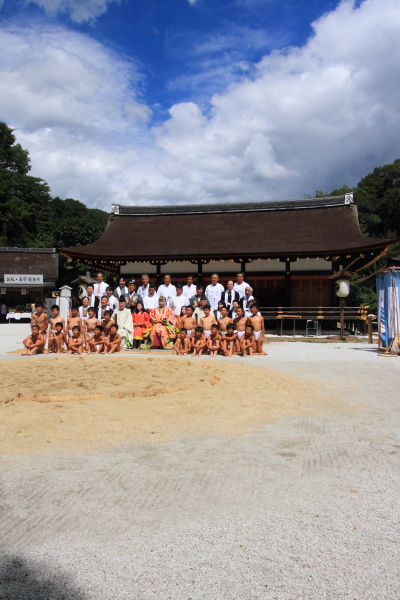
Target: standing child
x=257 y=321
x=189 y=322
x=182 y=343
x=228 y=342
x=75 y=343
x=113 y=341
x=89 y=328
x=73 y=320
x=198 y=342
x=247 y=341
x=224 y=321
x=207 y=320
x=214 y=340
x=107 y=322
x=97 y=341
x=34 y=343
x=40 y=319
x=55 y=311
x=240 y=325
x=141 y=322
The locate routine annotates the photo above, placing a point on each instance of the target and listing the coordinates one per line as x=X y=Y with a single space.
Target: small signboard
x=23 y=279
x=3 y=291
x=23 y=291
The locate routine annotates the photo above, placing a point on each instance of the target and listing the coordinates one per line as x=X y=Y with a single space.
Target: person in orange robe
x=141 y=323
x=162 y=333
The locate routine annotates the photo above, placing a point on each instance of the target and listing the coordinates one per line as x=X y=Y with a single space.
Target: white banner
x=23 y=279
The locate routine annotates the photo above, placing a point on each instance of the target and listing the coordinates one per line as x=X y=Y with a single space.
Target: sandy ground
x=281 y=479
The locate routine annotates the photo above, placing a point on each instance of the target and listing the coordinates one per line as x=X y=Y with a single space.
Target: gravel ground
x=304 y=509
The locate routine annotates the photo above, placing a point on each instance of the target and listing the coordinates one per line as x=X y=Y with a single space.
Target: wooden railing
x=352 y=314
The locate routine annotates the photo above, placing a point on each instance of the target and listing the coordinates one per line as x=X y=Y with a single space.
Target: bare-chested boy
x=59 y=338
x=113 y=341
x=73 y=320
x=189 y=322
x=207 y=320
x=34 y=343
x=182 y=344
x=240 y=325
x=55 y=311
x=214 y=340
x=259 y=328
x=198 y=341
x=224 y=321
x=40 y=319
x=107 y=323
x=96 y=342
x=89 y=326
x=228 y=342
x=247 y=341
x=75 y=342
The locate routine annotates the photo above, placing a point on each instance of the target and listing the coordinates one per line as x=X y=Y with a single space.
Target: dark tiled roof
x=232 y=208
x=231 y=234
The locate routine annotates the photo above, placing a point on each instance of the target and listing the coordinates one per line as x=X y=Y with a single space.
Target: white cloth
x=83 y=312
x=198 y=314
x=100 y=289
x=150 y=302
x=240 y=287
x=257 y=334
x=177 y=302
x=168 y=291
x=143 y=291
x=92 y=299
x=120 y=291
x=213 y=294
x=112 y=303
x=207 y=332
x=101 y=311
x=245 y=305
x=123 y=318
x=189 y=291
x=240 y=334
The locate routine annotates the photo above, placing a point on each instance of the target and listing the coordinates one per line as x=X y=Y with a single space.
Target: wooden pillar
x=341 y=304
x=199 y=272
x=243 y=266
x=287 y=283
x=158 y=275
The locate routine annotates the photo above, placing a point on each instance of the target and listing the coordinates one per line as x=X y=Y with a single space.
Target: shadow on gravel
x=20 y=580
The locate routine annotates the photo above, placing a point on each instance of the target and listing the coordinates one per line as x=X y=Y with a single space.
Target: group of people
x=186 y=318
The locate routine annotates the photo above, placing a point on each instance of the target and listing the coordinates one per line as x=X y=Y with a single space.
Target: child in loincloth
x=259 y=328
x=182 y=343
x=75 y=342
x=189 y=322
x=207 y=320
x=73 y=321
x=59 y=338
x=113 y=341
x=198 y=341
x=40 y=319
x=34 y=343
x=228 y=342
x=96 y=342
x=240 y=325
x=214 y=340
x=107 y=323
x=55 y=311
x=247 y=341
x=224 y=321
x=89 y=327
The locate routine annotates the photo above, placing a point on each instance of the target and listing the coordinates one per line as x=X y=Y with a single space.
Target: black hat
x=122 y=299
x=131 y=281
x=179 y=286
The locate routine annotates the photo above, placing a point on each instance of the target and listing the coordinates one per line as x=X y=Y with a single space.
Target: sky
x=153 y=102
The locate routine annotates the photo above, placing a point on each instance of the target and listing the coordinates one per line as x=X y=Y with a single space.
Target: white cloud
x=305 y=118
x=78 y=10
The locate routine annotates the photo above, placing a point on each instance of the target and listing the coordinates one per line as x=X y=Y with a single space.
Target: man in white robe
x=123 y=319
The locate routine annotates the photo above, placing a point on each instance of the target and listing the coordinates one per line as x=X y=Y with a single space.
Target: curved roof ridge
x=120 y=209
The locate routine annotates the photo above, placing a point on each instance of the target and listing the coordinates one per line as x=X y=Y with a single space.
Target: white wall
x=265 y=265
x=142 y=267
x=311 y=265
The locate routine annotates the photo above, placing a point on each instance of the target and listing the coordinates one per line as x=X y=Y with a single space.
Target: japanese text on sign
x=25 y=279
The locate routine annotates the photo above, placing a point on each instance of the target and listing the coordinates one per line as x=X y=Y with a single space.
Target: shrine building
x=288 y=249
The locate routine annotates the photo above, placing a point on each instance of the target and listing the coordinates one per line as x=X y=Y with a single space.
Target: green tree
x=22 y=197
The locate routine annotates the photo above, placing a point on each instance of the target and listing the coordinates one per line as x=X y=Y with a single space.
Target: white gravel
x=305 y=509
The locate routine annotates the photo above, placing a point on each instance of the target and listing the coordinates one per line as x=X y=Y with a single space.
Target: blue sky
x=223 y=100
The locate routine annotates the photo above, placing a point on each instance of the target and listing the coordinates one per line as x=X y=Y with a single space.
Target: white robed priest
x=123 y=318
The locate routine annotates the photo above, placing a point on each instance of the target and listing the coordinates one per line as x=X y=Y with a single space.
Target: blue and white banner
x=388 y=298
